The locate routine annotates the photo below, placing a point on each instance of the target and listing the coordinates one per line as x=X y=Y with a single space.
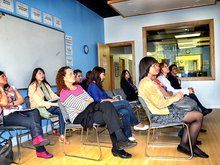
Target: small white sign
x=69 y=40
x=69 y=60
x=57 y=22
x=48 y=19
x=69 y=50
x=7 y=5
x=22 y=9
x=36 y=15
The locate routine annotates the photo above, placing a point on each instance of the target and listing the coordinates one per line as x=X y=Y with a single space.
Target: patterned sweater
x=74 y=101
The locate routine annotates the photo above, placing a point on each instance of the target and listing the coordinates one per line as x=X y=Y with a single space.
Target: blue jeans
x=30 y=120
x=55 y=110
x=128 y=117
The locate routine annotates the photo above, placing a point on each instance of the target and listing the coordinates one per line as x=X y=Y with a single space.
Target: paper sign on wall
x=57 y=22
x=7 y=5
x=47 y=19
x=36 y=14
x=22 y=9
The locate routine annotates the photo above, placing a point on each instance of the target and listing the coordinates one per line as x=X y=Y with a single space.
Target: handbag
x=186 y=104
x=44 y=113
x=6 y=153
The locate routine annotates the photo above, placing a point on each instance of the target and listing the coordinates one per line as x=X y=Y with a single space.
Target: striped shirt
x=74 y=101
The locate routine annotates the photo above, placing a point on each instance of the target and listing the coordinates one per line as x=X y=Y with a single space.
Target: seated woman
x=162 y=110
x=128 y=87
x=123 y=107
x=175 y=82
x=40 y=93
x=83 y=110
x=10 y=100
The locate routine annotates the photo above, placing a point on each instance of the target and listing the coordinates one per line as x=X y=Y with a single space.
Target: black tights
x=194 y=119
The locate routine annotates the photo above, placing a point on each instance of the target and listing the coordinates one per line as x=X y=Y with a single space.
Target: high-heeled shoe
x=198 y=152
x=183 y=150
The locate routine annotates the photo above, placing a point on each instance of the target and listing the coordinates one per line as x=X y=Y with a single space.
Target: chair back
x=109 y=93
x=145 y=107
x=27 y=102
x=64 y=112
x=120 y=92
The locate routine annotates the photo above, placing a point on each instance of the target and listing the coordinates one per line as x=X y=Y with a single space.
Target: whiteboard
x=25 y=45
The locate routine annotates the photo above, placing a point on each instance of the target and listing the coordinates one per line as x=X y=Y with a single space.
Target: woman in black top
x=128 y=87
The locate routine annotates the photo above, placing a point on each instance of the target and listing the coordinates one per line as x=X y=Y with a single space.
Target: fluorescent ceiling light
x=187 y=35
x=186 y=47
x=187 y=43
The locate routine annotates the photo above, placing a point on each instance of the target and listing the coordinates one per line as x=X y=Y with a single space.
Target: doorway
x=115 y=57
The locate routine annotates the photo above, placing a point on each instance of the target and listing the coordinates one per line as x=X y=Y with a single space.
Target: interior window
x=189 y=45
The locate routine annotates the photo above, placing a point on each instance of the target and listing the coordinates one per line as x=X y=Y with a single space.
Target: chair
x=8 y=129
x=69 y=125
x=110 y=93
x=153 y=126
x=136 y=106
x=50 y=120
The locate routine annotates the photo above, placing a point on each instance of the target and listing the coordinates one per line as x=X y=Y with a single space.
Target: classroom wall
x=118 y=29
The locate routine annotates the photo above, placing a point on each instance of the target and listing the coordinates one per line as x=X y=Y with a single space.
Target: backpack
x=6 y=153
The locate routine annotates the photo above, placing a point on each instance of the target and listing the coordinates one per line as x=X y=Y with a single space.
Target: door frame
x=127 y=43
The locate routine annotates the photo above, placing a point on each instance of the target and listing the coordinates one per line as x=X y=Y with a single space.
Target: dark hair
x=95 y=76
x=33 y=78
x=123 y=73
x=1 y=73
x=60 y=79
x=76 y=71
x=88 y=74
x=171 y=67
x=161 y=65
x=6 y=85
x=144 y=66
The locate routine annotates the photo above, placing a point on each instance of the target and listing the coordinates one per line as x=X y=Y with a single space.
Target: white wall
x=119 y=29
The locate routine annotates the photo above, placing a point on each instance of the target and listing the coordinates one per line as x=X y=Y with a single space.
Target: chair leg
x=84 y=157
x=166 y=144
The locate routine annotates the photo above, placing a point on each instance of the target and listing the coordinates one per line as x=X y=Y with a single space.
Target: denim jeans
x=30 y=120
x=55 y=110
x=128 y=117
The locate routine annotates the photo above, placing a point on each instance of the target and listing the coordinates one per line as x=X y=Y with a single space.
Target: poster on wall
x=36 y=15
x=47 y=19
x=69 y=50
x=7 y=5
x=69 y=40
x=69 y=60
x=22 y=9
x=57 y=22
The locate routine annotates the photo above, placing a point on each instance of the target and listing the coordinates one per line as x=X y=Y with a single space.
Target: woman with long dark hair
x=123 y=108
x=40 y=92
x=128 y=87
x=162 y=110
